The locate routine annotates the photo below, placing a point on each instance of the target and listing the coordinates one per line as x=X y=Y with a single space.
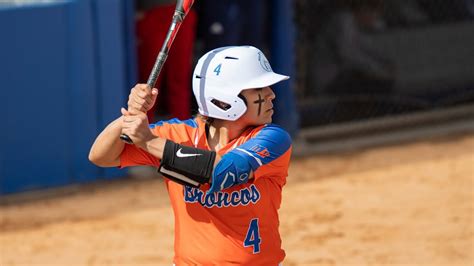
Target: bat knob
x=126 y=139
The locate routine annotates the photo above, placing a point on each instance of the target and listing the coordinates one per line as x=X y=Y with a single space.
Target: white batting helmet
x=221 y=74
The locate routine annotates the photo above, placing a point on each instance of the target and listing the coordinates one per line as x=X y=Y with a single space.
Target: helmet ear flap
x=220 y=104
x=243 y=99
x=226 y=107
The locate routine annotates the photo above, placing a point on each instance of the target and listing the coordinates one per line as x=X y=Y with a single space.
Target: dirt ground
x=409 y=204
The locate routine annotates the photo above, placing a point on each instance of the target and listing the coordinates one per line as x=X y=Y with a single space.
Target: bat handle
x=151 y=83
x=155 y=72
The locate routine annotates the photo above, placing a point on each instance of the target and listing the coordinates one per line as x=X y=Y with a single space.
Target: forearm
x=106 y=150
x=185 y=164
x=155 y=147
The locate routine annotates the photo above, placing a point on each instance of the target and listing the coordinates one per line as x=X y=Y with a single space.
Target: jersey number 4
x=253 y=236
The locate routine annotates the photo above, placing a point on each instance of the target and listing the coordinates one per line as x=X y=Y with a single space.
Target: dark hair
x=208 y=120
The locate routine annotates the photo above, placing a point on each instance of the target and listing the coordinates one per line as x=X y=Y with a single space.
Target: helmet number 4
x=217 y=70
x=253 y=236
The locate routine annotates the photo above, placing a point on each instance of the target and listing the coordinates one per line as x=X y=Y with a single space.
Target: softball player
x=224 y=169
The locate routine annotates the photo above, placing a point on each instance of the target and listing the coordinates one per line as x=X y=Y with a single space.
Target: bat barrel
x=182 y=9
x=178 y=18
x=184 y=6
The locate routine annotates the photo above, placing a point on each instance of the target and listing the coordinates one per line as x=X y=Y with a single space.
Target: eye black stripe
x=259 y=101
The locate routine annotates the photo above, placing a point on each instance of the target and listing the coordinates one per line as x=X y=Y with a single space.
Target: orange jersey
x=238 y=225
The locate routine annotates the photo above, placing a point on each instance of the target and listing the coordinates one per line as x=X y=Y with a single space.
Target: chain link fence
x=359 y=60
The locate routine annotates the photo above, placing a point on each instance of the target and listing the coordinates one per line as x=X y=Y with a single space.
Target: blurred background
x=365 y=66
x=364 y=72
x=380 y=106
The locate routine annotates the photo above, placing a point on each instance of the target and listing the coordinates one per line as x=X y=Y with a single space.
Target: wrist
x=116 y=125
x=144 y=141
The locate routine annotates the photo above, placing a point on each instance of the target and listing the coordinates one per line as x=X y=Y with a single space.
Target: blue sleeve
x=235 y=166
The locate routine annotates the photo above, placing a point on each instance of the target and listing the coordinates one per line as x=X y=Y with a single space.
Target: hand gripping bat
x=182 y=9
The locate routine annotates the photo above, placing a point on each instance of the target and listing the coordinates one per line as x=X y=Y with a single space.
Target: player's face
x=259 y=106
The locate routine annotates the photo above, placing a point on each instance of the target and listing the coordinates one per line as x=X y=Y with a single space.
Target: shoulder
x=271 y=136
x=180 y=131
x=273 y=131
x=192 y=123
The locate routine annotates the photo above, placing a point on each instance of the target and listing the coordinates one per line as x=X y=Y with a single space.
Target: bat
x=180 y=12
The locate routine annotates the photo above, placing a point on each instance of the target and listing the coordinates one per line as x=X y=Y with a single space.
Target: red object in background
x=187 y=4
x=176 y=73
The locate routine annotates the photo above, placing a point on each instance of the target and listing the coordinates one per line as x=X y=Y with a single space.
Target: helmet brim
x=265 y=80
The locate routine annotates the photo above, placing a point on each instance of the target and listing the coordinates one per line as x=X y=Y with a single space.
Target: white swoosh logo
x=182 y=155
